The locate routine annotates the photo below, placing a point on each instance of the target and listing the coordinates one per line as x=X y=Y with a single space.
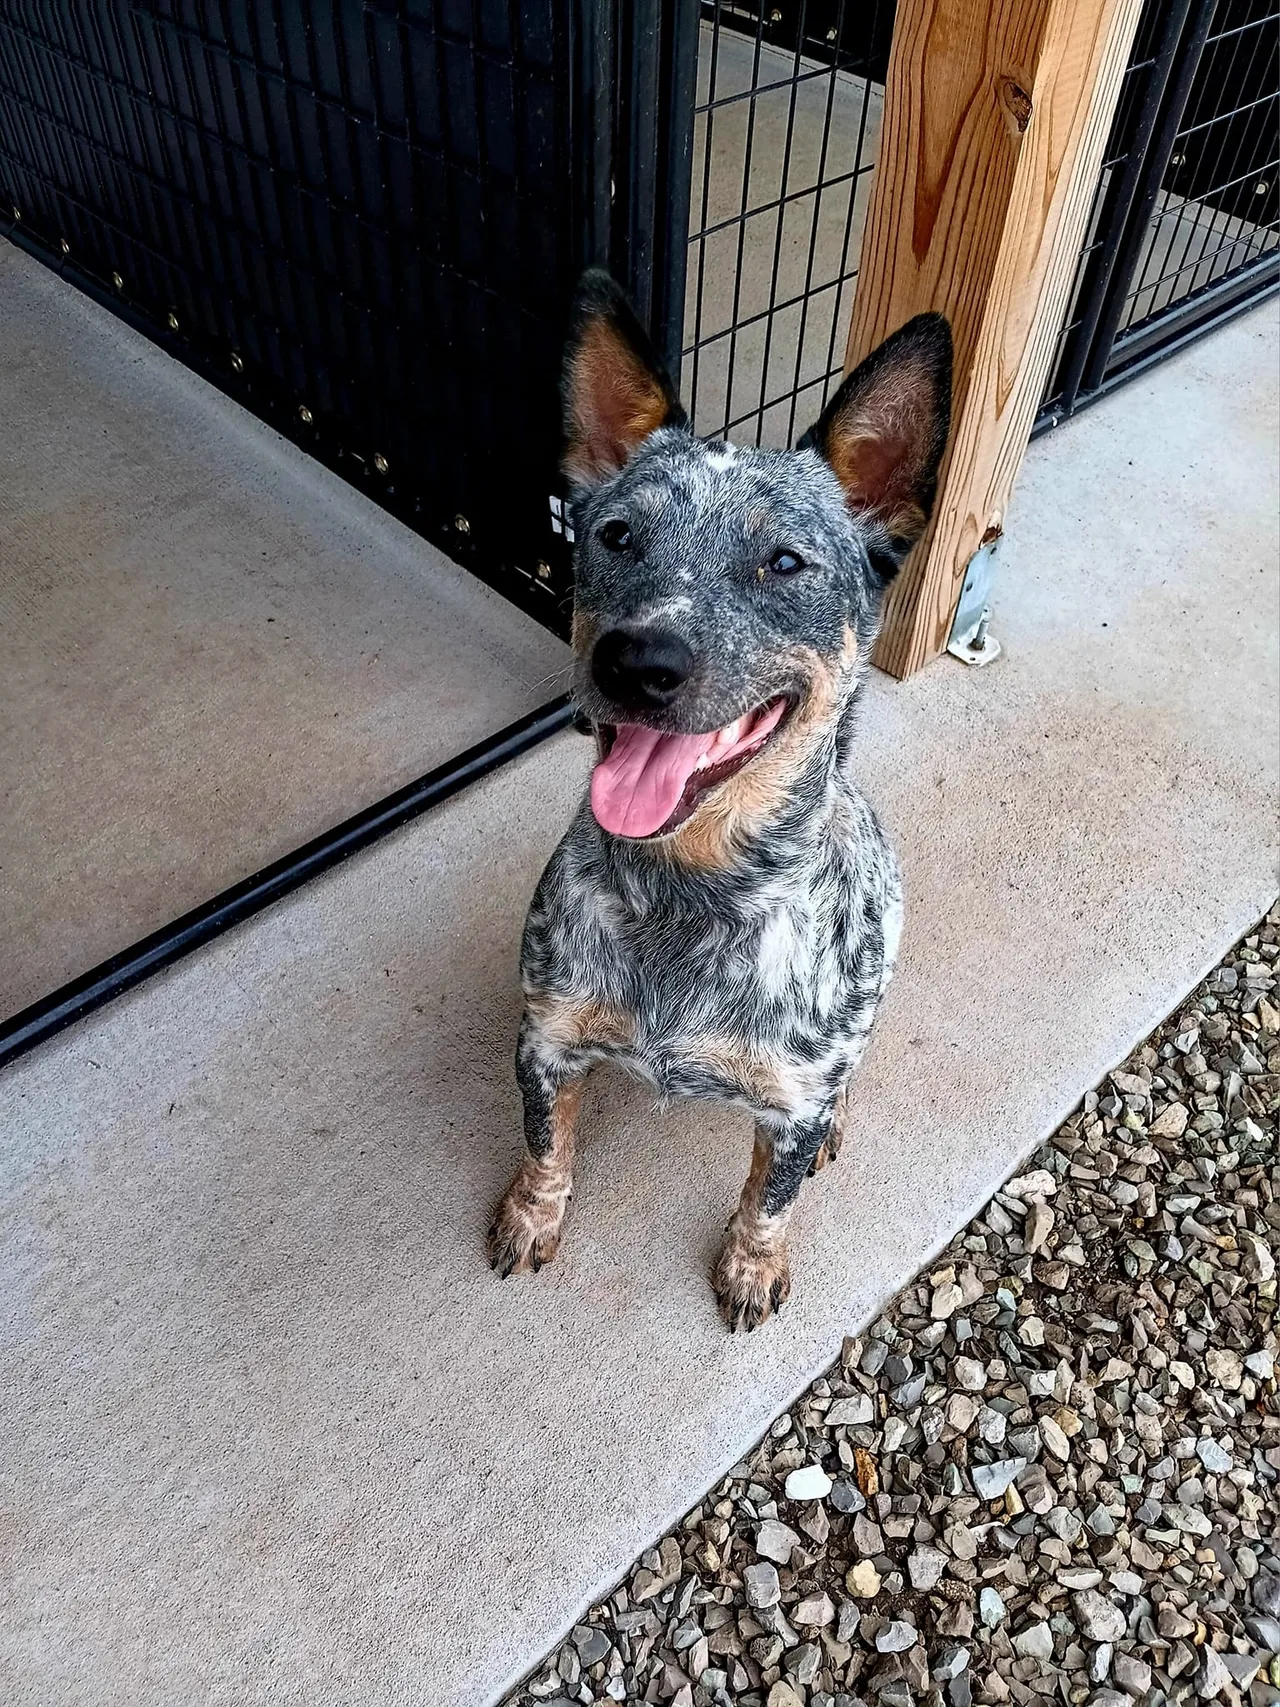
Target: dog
x=723 y=915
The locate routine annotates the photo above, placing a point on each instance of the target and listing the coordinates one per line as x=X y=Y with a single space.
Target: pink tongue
x=637 y=788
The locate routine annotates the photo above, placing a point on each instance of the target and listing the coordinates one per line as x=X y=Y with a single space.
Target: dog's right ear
x=615 y=390
x=885 y=430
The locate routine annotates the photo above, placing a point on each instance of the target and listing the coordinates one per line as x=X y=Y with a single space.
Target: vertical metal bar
x=679 y=95
x=707 y=143
x=744 y=202
x=593 y=69
x=813 y=229
x=779 y=231
x=636 y=184
x=1155 y=160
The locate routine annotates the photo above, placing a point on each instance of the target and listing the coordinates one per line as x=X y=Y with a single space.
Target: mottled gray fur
x=752 y=974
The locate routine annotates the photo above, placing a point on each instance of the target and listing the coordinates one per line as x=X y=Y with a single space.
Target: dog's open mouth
x=648 y=783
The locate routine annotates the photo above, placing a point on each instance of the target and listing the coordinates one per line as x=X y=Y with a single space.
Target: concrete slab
x=211 y=648
x=274 y=1433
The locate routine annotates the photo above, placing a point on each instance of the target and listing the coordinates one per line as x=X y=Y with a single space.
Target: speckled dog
x=723 y=915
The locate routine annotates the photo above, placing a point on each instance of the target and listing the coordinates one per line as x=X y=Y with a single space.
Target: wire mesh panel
x=786 y=126
x=350 y=213
x=1218 y=202
x=1185 y=223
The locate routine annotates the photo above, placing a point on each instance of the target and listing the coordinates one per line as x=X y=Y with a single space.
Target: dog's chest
x=754 y=1000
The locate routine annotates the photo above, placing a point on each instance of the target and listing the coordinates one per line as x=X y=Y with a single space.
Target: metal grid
x=1184 y=229
x=349 y=213
x=1153 y=47
x=786 y=127
x=1217 y=207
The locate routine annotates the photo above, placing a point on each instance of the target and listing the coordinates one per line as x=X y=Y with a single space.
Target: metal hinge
x=971 y=639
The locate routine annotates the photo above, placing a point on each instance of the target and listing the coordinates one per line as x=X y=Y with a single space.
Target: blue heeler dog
x=723 y=915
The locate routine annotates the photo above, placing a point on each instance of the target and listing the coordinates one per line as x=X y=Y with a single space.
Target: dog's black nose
x=641 y=669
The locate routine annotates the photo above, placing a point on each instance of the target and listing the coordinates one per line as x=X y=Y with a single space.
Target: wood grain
x=996 y=116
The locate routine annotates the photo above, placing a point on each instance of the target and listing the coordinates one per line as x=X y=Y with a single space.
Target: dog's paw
x=828 y=1152
x=752 y=1281
x=525 y=1231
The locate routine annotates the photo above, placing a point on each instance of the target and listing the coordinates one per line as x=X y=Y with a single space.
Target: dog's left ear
x=885 y=430
x=615 y=390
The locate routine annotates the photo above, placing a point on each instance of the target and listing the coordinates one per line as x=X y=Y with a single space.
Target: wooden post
x=996 y=116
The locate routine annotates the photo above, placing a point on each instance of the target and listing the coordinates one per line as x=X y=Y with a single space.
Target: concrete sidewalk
x=275 y=1433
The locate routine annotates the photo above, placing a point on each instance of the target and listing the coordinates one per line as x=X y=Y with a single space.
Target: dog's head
x=727 y=598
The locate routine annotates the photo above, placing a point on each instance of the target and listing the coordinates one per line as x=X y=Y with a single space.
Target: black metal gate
x=1184 y=230
x=356 y=216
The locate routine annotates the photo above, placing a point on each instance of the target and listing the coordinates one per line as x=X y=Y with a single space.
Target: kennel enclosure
x=363 y=219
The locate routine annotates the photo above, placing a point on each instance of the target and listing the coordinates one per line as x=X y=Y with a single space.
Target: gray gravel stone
x=762 y=1585
x=775 y=1540
x=1130 y=1673
x=991 y=1608
x=1035 y=1642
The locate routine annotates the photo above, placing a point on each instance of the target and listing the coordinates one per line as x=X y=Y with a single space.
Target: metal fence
x=1185 y=225
x=363 y=218
x=786 y=125
x=352 y=216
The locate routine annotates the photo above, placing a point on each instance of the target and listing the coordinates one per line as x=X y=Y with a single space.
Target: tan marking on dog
x=583 y=632
x=768 y=1080
x=831 y=1145
x=573 y=1024
x=737 y=810
x=752 y=1277
x=526 y=1229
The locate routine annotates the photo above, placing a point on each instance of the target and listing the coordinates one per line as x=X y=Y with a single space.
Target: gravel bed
x=1051 y=1469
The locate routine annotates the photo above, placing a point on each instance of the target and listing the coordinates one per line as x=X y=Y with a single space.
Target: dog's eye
x=615 y=536
x=786 y=563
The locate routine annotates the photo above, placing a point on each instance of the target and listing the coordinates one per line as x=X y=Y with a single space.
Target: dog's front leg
x=526 y=1229
x=752 y=1278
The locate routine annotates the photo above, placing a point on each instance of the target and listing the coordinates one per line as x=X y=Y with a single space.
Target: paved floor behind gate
x=211 y=649
x=273 y=1431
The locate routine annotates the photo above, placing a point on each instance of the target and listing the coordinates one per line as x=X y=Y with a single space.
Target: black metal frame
x=121 y=972
x=1171 y=83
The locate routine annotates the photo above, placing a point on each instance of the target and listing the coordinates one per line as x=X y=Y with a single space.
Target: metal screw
x=304 y=414
x=831 y=35
x=462 y=524
x=544 y=570
x=237 y=362
x=775 y=17
x=117 y=281
x=380 y=462
x=64 y=245
x=173 y=321
x=1261 y=187
x=980 y=632
x=17 y=213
